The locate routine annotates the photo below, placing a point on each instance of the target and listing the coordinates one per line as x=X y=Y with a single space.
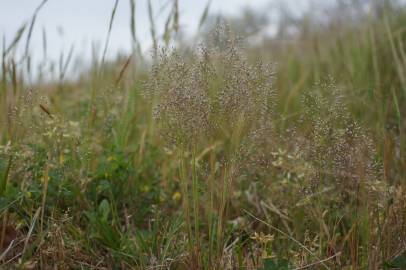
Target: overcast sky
x=78 y=22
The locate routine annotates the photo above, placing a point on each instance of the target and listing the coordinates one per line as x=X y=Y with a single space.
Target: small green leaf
x=4 y=177
x=275 y=264
x=399 y=262
x=104 y=210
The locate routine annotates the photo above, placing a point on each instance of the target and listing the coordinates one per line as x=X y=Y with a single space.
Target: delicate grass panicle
x=181 y=101
x=336 y=144
x=210 y=95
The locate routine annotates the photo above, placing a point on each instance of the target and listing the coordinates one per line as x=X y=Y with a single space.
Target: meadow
x=288 y=153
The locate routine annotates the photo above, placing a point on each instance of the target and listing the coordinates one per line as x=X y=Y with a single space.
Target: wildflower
x=61 y=159
x=176 y=196
x=145 y=189
x=262 y=238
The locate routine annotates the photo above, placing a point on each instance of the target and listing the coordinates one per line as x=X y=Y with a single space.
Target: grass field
x=283 y=154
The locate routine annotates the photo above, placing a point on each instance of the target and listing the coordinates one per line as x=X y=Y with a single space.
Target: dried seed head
x=212 y=95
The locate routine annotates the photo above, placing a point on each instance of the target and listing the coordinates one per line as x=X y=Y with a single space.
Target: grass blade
x=4 y=179
x=30 y=30
x=122 y=71
x=152 y=27
x=64 y=66
x=204 y=15
x=44 y=43
x=176 y=16
x=106 y=44
x=133 y=22
x=17 y=38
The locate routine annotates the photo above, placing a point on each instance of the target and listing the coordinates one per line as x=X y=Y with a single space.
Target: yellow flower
x=144 y=188
x=262 y=238
x=176 y=196
x=61 y=159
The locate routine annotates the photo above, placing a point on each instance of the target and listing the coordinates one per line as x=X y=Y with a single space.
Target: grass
x=212 y=157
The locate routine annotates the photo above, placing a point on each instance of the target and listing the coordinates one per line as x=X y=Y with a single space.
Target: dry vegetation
x=282 y=154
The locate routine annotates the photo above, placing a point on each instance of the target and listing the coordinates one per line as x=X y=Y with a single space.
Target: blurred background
x=80 y=23
x=80 y=28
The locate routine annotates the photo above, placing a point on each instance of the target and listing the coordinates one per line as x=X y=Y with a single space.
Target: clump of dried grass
x=210 y=95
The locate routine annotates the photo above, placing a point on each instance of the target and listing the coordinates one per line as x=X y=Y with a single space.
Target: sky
x=80 y=23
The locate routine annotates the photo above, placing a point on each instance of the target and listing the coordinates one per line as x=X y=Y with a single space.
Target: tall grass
x=211 y=157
